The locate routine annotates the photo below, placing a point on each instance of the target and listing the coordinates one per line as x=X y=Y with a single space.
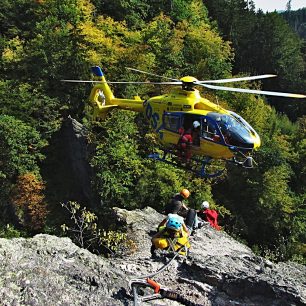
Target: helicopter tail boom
x=103 y=100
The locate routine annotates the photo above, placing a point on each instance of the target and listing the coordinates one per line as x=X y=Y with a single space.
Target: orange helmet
x=185 y=193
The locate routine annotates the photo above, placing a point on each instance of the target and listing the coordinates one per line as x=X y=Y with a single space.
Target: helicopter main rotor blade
x=153 y=74
x=78 y=81
x=124 y=82
x=256 y=77
x=258 y=92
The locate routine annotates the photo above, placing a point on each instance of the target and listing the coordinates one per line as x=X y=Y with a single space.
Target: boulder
x=48 y=270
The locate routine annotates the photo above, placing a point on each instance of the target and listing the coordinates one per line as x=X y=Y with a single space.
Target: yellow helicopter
x=222 y=134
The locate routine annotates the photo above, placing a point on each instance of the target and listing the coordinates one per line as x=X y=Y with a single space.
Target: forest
x=45 y=41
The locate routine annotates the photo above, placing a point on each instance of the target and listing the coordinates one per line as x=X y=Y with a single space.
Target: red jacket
x=211 y=216
x=185 y=139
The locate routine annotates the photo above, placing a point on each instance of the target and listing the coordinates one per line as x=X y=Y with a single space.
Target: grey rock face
x=75 y=148
x=47 y=270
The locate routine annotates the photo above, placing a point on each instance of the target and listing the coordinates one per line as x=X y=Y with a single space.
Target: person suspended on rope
x=209 y=215
x=172 y=233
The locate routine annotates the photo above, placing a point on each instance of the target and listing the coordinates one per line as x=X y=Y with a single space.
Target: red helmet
x=185 y=193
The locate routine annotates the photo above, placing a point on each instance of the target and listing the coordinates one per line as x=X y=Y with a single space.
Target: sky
x=271 y=5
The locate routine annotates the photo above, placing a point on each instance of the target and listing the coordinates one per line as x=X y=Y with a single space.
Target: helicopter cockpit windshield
x=234 y=131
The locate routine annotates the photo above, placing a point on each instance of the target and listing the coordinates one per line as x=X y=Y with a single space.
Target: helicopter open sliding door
x=172 y=122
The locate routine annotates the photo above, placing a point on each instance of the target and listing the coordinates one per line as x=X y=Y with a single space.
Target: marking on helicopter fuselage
x=149 y=111
x=154 y=120
x=152 y=117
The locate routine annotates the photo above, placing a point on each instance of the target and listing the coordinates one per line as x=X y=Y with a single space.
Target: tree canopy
x=45 y=41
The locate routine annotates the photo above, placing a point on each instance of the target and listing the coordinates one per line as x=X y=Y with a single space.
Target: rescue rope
x=162 y=268
x=159 y=293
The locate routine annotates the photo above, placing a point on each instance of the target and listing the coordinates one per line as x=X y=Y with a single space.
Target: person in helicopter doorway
x=195 y=133
x=176 y=205
x=184 y=146
x=188 y=138
x=209 y=215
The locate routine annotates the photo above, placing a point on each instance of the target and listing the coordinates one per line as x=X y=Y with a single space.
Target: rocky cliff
x=47 y=270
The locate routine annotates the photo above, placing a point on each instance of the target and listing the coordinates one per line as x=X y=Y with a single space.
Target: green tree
x=20 y=153
x=263 y=43
x=31 y=106
x=116 y=164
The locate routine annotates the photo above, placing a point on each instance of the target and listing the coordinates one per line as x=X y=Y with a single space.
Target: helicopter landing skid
x=196 y=165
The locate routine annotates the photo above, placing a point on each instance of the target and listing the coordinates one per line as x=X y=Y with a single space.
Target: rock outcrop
x=47 y=270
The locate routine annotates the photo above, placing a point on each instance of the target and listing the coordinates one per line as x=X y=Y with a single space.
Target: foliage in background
x=43 y=42
x=297 y=20
x=20 y=153
x=8 y=231
x=29 y=202
x=263 y=43
x=266 y=200
x=85 y=232
x=116 y=162
x=32 y=106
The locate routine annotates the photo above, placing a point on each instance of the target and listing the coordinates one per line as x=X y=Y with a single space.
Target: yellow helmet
x=185 y=193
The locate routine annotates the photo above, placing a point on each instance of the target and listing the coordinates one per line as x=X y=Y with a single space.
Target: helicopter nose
x=257 y=141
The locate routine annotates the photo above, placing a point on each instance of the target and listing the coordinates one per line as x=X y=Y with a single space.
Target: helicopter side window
x=209 y=130
x=234 y=131
x=172 y=122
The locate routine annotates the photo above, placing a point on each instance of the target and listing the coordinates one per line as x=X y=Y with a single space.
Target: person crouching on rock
x=176 y=205
x=209 y=215
x=173 y=233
